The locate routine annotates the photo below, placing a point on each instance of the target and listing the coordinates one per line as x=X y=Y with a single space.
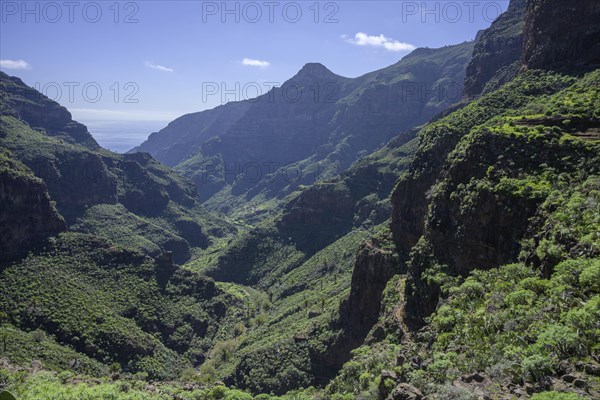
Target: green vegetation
x=95 y=190
x=117 y=224
x=21 y=347
x=512 y=324
x=485 y=283
x=113 y=305
x=498 y=320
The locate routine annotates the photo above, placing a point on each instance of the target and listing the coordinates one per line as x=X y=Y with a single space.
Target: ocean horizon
x=122 y=136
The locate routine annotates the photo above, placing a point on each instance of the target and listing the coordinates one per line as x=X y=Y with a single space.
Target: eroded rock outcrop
x=317 y=217
x=497 y=51
x=376 y=263
x=562 y=35
x=26 y=216
x=375 y=266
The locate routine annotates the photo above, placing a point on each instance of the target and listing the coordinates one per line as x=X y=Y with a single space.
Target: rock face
x=26 y=215
x=373 y=269
x=431 y=215
x=497 y=51
x=317 y=217
x=404 y=391
x=165 y=268
x=460 y=218
x=460 y=231
x=498 y=45
x=473 y=225
x=75 y=179
x=376 y=263
x=562 y=35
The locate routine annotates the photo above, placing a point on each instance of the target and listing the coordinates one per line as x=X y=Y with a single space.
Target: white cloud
x=14 y=64
x=159 y=67
x=255 y=63
x=362 y=39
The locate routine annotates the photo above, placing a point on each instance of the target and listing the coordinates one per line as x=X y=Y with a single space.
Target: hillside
x=118 y=197
x=447 y=251
x=90 y=239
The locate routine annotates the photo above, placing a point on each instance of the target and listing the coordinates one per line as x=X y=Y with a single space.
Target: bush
x=238 y=329
x=208 y=373
x=65 y=376
x=218 y=392
x=442 y=369
x=556 y=396
x=223 y=351
x=536 y=367
x=520 y=298
x=449 y=392
x=38 y=336
x=563 y=341
x=238 y=395
x=590 y=277
x=189 y=375
x=364 y=379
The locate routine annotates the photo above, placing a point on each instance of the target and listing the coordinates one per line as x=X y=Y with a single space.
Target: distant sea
x=122 y=136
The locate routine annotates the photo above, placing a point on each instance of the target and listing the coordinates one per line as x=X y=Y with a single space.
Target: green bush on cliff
x=509 y=324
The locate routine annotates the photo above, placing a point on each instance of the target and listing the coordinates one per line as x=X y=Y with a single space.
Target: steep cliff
x=468 y=244
x=562 y=36
x=455 y=227
x=500 y=275
x=27 y=216
x=376 y=264
x=86 y=181
x=499 y=201
x=497 y=52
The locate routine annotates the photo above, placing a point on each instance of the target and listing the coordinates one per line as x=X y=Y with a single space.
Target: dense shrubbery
x=523 y=322
x=106 y=302
x=94 y=305
x=46 y=385
x=515 y=319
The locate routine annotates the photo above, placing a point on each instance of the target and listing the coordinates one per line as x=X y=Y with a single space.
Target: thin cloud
x=362 y=39
x=14 y=64
x=255 y=63
x=159 y=67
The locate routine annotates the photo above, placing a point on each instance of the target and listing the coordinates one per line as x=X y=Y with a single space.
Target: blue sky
x=154 y=60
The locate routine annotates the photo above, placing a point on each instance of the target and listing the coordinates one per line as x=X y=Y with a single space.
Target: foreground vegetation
x=484 y=283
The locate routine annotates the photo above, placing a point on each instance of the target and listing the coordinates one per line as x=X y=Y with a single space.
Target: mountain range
x=311 y=128
x=428 y=247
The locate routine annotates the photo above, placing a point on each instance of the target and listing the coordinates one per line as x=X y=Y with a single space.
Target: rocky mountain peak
x=315 y=72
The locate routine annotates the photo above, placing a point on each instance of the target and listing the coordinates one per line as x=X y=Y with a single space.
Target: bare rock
x=404 y=391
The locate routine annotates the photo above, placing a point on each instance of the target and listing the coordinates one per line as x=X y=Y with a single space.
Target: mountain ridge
x=458 y=260
x=313 y=126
